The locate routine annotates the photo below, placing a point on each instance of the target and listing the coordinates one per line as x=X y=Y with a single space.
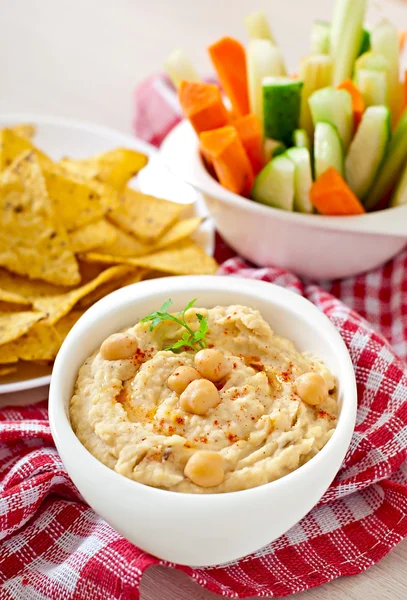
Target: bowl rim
x=180 y=152
x=65 y=438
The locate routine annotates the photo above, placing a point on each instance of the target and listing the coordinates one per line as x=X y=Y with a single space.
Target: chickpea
x=311 y=388
x=212 y=364
x=199 y=397
x=119 y=346
x=181 y=378
x=205 y=468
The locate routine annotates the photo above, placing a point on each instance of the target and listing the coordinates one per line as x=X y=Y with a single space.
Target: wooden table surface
x=83 y=58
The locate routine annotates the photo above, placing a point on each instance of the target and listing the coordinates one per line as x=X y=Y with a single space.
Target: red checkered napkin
x=54 y=546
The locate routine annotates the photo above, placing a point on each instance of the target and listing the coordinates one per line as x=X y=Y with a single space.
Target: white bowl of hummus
x=204 y=428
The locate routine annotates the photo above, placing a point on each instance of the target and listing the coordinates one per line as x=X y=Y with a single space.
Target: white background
x=83 y=58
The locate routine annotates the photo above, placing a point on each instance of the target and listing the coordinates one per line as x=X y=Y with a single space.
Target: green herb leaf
x=190 y=338
x=188 y=306
x=164 y=308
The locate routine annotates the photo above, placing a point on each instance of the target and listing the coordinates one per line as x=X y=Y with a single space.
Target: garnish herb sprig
x=190 y=339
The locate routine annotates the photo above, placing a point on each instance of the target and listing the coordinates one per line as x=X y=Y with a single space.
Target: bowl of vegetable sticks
x=306 y=172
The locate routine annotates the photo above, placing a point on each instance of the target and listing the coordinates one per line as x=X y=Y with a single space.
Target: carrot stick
x=358 y=103
x=229 y=159
x=331 y=195
x=229 y=59
x=251 y=135
x=402 y=39
x=202 y=105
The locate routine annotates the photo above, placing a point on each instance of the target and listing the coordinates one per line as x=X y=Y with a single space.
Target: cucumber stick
x=392 y=166
x=281 y=107
x=274 y=185
x=258 y=27
x=272 y=148
x=179 y=67
x=385 y=41
x=302 y=178
x=373 y=86
x=263 y=60
x=328 y=149
x=366 y=43
x=368 y=149
x=315 y=73
x=321 y=37
x=335 y=107
x=346 y=37
x=301 y=139
x=400 y=195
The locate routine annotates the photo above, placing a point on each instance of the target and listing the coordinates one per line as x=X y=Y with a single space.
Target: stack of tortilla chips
x=72 y=232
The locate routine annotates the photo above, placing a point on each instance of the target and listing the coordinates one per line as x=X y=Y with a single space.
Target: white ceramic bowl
x=309 y=245
x=203 y=529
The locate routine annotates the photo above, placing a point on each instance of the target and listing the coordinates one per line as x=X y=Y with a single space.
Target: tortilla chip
x=105 y=259
x=12 y=298
x=124 y=245
x=100 y=292
x=128 y=246
x=134 y=277
x=88 y=272
x=179 y=231
x=25 y=130
x=65 y=324
x=111 y=286
x=12 y=145
x=79 y=201
x=144 y=216
x=57 y=307
x=7 y=370
x=184 y=258
x=14 y=325
x=115 y=167
x=101 y=233
x=33 y=241
x=41 y=342
x=27 y=288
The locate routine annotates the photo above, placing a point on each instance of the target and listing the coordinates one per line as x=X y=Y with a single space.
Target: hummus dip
x=247 y=410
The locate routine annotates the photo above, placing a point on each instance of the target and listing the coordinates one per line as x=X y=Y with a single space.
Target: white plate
x=63 y=137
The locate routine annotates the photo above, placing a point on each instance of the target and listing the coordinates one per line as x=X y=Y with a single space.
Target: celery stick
x=372 y=61
x=258 y=27
x=315 y=73
x=392 y=166
x=180 y=68
x=373 y=86
x=263 y=60
x=385 y=41
x=346 y=37
x=321 y=37
x=281 y=107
